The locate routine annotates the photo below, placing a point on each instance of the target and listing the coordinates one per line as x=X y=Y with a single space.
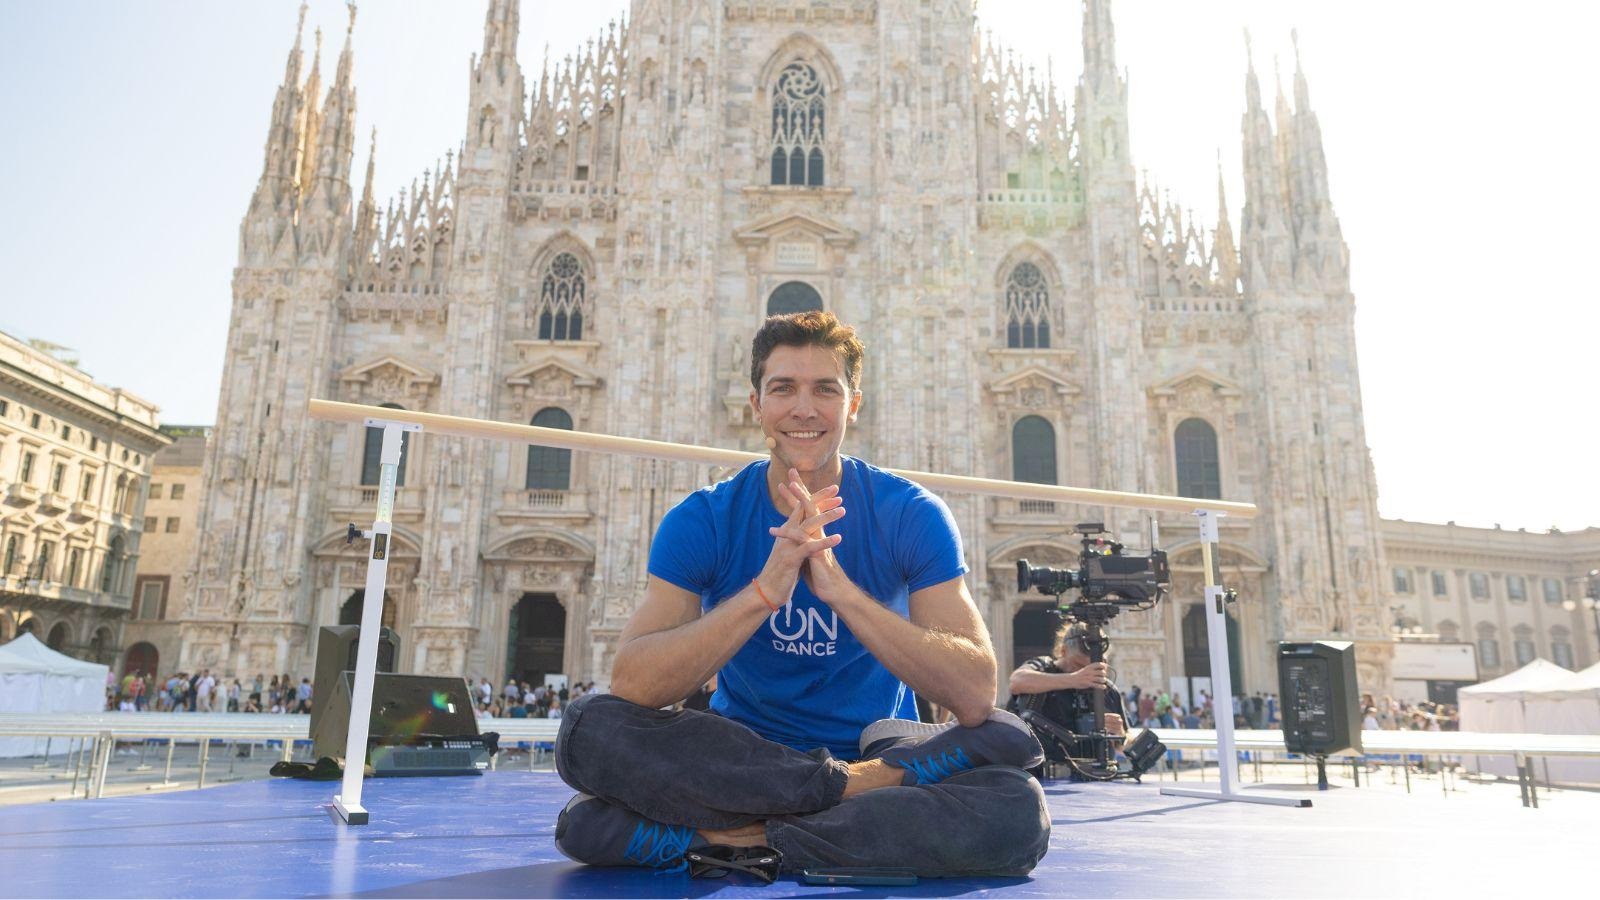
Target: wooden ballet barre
x=357 y=414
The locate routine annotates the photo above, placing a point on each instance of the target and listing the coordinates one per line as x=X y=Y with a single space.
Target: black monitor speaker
x=1317 y=691
x=336 y=652
x=405 y=708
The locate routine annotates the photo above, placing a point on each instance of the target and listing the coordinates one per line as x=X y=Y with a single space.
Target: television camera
x=1108 y=580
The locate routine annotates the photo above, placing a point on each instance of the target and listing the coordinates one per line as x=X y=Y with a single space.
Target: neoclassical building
x=1516 y=596
x=598 y=252
x=172 y=504
x=75 y=460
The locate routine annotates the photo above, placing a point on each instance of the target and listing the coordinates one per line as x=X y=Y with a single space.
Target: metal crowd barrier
x=96 y=735
x=1522 y=748
x=93 y=736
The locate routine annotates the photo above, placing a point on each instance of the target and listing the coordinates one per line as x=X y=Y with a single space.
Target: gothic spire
x=1101 y=101
x=501 y=24
x=291 y=69
x=1252 y=87
x=494 y=103
x=1224 y=255
x=337 y=141
x=283 y=133
x=1320 y=249
x=275 y=202
x=325 y=221
x=1263 y=236
x=366 y=226
x=311 y=122
x=1262 y=178
x=1099 y=45
x=342 y=75
x=1302 y=94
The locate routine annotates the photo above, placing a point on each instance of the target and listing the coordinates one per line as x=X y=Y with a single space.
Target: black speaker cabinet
x=1317 y=691
x=336 y=652
x=404 y=707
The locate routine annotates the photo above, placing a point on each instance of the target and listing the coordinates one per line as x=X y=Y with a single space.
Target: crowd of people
x=1166 y=709
x=1389 y=714
x=202 y=691
x=522 y=700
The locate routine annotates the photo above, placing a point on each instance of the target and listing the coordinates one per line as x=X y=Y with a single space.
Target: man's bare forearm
x=1031 y=681
x=664 y=667
x=953 y=671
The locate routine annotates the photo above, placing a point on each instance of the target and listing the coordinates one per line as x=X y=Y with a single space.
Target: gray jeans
x=701 y=770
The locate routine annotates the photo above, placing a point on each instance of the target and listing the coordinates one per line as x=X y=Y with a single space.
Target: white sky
x=1459 y=139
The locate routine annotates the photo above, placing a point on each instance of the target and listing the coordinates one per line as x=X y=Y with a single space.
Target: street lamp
x=1404 y=626
x=1590 y=601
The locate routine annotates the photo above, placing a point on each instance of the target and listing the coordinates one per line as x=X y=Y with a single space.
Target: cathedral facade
x=607 y=238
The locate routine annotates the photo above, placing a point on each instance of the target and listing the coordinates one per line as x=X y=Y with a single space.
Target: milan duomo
x=604 y=240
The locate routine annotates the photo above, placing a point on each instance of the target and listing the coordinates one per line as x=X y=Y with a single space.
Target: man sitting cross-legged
x=825 y=594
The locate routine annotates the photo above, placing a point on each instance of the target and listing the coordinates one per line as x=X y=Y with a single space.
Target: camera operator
x=1060 y=688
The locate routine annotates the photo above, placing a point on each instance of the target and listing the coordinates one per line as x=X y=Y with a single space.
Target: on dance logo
x=811 y=635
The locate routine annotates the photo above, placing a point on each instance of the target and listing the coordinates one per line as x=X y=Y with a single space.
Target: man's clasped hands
x=803 y=549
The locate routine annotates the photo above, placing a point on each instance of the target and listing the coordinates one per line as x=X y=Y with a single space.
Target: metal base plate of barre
x=1239 y=796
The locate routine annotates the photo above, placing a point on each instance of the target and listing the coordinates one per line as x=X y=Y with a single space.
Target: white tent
x=1572 y=707
x=1500 y=706
x=36 y=679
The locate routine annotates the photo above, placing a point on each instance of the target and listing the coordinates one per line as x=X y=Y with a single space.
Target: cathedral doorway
x=1197 y=650
x=793 y=297
x=1033 y=632
x=536 y=638
x=142 y=657
x=350 y=610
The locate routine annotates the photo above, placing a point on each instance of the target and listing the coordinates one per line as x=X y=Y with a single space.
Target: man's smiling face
x=805 y=404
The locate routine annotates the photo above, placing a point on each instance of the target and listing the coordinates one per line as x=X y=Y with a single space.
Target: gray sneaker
x=590 y=830
x=932 y=753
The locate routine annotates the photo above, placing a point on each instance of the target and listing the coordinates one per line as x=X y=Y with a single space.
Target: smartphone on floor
x=876 y=877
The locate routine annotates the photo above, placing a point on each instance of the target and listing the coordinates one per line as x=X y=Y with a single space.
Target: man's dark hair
x=807 y=329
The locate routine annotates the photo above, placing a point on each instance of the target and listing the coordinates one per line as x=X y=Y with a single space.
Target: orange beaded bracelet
x=763 y=595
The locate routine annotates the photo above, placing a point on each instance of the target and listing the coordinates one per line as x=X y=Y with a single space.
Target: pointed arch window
x=563 y=299
x=372 y=454
x=550 y=468
x=1195 y=448
x=1027 y=307
x=799 y=120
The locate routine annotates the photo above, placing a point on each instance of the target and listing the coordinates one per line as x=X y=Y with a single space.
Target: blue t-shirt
x=803 y=679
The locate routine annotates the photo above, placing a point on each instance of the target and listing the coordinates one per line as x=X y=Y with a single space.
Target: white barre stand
x=348 y=801
x=1222 y=682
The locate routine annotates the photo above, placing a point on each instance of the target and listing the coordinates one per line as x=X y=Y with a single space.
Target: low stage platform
x=493 y=837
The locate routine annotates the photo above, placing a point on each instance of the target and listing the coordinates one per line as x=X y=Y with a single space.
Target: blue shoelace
x=654 y=844
x=937 y=767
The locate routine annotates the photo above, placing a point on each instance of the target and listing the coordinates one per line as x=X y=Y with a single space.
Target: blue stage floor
x=493 y=837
